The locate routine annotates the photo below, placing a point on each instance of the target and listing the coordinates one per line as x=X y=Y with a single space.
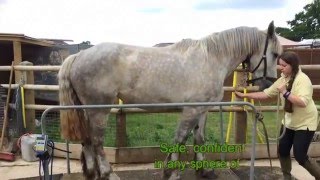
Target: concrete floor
x=22 y=169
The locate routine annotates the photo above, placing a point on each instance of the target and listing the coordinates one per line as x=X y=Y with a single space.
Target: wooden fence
x=27 y=72
x=30 y=106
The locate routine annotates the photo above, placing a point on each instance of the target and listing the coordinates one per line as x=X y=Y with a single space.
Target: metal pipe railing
x=161 y=105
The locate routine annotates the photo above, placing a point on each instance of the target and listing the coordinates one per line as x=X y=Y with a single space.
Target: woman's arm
x=296 y=100
x=254 y=95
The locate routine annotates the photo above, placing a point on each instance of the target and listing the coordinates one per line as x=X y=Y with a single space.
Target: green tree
x=86 y=43
x=287 y=33
x=305 y=25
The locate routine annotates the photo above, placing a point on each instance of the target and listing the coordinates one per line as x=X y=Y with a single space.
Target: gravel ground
x=22 y=169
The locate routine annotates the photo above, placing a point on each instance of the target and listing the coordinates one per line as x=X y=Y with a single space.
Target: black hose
x=50 y=143
x=260 y=118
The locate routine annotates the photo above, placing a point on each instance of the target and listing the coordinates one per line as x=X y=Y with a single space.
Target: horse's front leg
x=199 y=139
x=169 y=173
x=189 y=119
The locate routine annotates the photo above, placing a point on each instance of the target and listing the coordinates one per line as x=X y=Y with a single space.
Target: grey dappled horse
x=187 y=71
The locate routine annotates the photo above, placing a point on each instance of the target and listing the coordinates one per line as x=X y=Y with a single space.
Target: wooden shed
x=19 y=47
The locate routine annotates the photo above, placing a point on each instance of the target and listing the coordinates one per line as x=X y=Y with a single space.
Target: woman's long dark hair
x=293 y=60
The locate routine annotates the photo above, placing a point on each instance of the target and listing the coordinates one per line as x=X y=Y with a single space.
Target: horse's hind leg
x=87 y=159
x=189 y=120
x=87 y=154
x=199 y=139
x=101 y=167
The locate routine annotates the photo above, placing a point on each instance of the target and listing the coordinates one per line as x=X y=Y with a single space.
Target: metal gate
x=163 y=105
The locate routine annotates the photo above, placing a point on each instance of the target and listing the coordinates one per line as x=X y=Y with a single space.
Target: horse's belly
x=135 y=97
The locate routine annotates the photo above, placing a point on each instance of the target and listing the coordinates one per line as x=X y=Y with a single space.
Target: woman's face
x=285 y=68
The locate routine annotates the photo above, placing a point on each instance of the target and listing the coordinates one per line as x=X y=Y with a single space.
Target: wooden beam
x=17 y=58
x=29 y=98
x=31 y=68
x=152 y=153
x=28 y=41
x=240 y=118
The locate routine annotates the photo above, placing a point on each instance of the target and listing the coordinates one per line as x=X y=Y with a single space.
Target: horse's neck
x=183 y=45
x=234 y=63
x=228 y=59
x=225 y=64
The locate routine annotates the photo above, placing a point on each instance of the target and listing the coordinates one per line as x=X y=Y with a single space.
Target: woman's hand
x=282 y=88
x=252 y=95
x=239 y=94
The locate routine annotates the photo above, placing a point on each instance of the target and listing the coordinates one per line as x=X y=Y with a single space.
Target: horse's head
x=263 y=63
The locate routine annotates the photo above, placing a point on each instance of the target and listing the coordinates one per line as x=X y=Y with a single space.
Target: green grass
x=156 y=128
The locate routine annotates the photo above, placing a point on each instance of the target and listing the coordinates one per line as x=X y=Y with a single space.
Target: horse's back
x=91 y=73
x=100 y=72
x=140 y=74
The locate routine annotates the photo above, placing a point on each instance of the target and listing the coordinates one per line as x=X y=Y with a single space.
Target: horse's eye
x=275 y=55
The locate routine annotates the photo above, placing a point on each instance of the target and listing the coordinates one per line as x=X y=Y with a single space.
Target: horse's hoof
x=166 y=173
x=105 y=172
x=109 y=177
x=170 y=174
x=104 y=177
x=175 y=175
x=206 y=173
x=114 y=176
x=89 y=173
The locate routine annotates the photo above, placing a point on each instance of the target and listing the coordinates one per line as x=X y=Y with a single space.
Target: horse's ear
x=271 y=29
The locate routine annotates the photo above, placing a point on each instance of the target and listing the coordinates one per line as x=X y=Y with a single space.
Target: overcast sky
x=139 y=22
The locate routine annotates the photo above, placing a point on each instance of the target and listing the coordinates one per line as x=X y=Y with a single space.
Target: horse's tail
x=72 y=121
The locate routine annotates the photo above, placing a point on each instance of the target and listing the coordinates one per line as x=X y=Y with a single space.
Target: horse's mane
x=238 y=41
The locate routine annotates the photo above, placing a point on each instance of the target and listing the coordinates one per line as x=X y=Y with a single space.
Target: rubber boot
x=286 y=166
x=313 y=168
x=316 y=137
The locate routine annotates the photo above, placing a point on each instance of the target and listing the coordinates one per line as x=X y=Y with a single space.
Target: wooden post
x=121 y=130
x=17 y=58
x=240 y=122
x=28 y=78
